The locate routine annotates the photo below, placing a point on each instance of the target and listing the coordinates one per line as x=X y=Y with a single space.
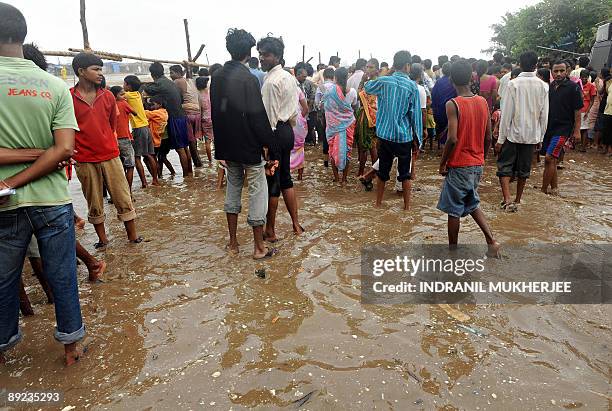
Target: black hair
x=328 y=73
x=201 y=83
x=333 y=60
x=116 y=90
x=239 y=43
x=203 y=72
x=272 y=45
x=341 y=76
x=496 y=69
x=507 y=66
x=442 y=59
x=416 y=71
x=514 y=73
x=375 y=62
x=32 y=53
x=584 y=73
x=435 y=68
x=528 y=61
x=298 y=67
x=416 y=59
x=461 y=73
x=195 y=70
x=214 y=68
x=156 y=69
x=13 y=27
x=454 y=58
x=427 y=64
x=593 y=75
x=498 y=57
x=321 y=66
x=446 y=68
x=558 y=62
x=309 y=69
x=84 y=60
x=545 y=74
x=481 y=67
x=133 y=81
x=157 y=99
x=583 y=61
x=401 y=58
x=177 y=68
x=254 y=62
x=360 y=64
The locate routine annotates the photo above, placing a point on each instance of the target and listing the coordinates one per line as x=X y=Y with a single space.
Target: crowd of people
x=259 y=121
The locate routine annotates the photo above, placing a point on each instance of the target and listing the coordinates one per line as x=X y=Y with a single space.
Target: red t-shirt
x=588 y=92
x=95 y=141
x=123 y=119
x=473 y=118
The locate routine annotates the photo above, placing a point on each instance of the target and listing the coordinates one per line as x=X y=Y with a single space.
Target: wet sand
x=181 y=324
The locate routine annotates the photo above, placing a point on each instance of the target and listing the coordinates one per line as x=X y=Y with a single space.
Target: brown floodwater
x=181 y=324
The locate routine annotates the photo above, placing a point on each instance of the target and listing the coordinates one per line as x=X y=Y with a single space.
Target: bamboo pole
x=200 y=50
x=319 y=57
x=84 y=27
x=72 y=54
x=303 y=53
x=137 y=58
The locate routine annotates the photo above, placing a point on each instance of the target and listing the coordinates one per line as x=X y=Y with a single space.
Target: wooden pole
x=84 y=27
x=187 y=39
x=359 y=53
x=319 y=57
x=207 y=62
x=72 y=54
x=137 y=58
x=200 y=50
x=303 y=53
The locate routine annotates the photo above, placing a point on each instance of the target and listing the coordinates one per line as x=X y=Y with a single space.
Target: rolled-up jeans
x=258 y=191
x=53 y=227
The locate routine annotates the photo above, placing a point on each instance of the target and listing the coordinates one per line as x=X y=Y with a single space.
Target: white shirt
x=278 y=94
x=355 y=80
x=321 y=90
x=351 y=97
x=524 y=110
x=503 y=83
x=422 y=96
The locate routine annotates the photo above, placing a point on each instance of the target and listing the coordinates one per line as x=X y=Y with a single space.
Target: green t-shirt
x=33 y=103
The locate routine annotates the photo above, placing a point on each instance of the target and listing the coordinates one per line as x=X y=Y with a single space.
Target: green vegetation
x=566 y=24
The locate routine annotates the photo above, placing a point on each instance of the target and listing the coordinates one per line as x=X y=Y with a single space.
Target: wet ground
x=181 y=324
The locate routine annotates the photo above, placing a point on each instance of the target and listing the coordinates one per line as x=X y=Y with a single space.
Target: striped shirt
x=399 y=108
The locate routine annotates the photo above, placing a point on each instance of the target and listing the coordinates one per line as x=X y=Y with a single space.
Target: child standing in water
x=124 y=136
x=468 y=141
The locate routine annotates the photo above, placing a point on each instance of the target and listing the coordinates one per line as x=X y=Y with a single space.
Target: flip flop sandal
x=99 y=245
x=271 y=253
x=137 y=241
x=511 y=208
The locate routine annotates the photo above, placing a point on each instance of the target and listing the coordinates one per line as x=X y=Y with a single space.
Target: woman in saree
x=338 y=103
x=300 y=130
x=365 y=133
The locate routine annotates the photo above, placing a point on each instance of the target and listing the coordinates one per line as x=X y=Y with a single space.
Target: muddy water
x=181 y=324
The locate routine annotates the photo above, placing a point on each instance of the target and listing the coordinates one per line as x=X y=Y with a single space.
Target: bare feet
x=143 y=186
x=96 y=271
x=233 y=249
x=493 y=250
x=297 y=230
x=270 y=237
x=268 y=253
x=156 y=183
x=73 y=353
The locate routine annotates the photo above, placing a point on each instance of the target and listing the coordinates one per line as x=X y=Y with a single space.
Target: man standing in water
x=177 y=121
x=37 y=132
x=524 y=114
x=279 y=94
x=399 y=124
x=565 y=102
x=241 y=130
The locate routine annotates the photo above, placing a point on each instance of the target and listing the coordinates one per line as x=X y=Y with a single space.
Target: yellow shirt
x=134 y=99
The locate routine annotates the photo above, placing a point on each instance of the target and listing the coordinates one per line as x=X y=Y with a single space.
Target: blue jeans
x=258 y=191
x=54 y=229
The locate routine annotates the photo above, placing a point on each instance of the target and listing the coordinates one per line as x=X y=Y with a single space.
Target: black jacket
x=171 y=94
x=240 y=123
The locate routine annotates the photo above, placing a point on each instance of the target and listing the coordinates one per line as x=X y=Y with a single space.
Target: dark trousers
x=321 y=126
x=312 y=124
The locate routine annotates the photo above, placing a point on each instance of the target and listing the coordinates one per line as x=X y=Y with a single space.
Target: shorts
x=92 y=177
x=281 y=180
x=126 y=152
x=515 y=160
x=143 y=142
x=556 y=146
x=459 y=196
x=177 y=132
x=387 y=150
x=163 y=149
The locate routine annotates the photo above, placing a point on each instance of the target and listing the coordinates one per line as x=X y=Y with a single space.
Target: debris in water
x=304 y=399
x=494 y=395
x=154 y=320
x=260 y=272
x=472 y=330
x=456 y=314
x=275 y=319
x=68 y=408
x=216 y=374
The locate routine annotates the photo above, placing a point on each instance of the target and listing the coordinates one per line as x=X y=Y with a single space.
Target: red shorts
x=556 y=146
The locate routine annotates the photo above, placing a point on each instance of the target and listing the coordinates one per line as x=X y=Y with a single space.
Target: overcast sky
x=154 y=28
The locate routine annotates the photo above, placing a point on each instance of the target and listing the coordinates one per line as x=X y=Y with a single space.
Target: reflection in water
x=179 y=322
